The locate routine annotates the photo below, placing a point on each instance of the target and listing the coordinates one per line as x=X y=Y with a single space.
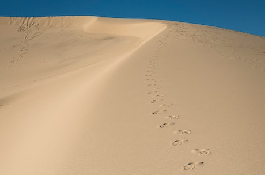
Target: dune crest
x=119 y=27
x=99 y=35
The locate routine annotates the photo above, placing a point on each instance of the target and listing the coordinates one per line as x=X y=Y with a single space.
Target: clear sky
x=245 y=15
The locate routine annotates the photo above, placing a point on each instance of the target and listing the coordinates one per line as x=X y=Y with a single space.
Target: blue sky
x=245 y=15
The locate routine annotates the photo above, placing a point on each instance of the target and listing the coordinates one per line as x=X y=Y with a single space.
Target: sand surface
x=102 y=96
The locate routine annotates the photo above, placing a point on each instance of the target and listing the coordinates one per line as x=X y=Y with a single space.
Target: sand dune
x=91 y=95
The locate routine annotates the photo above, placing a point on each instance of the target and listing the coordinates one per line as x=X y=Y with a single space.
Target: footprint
x=153 y=101
x=178 y=142
x=152 y=92
x=149 y=85
x=166 y=105
x=166 y=124
x=182 y=132
x=155 y=112
x=192 y=165
x=172 y=117
x=201 y=151
x=158 y=96
x=159 y=112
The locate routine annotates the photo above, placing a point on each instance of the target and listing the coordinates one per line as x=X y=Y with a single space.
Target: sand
x=102 y=96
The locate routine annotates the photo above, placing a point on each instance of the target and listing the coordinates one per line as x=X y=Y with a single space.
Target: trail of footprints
x=163 y=109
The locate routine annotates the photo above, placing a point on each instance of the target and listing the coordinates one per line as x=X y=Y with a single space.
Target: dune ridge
x=88 y=28
x=120 y=27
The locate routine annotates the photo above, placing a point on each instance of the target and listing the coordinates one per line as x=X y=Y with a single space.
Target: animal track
x=172 y=117
x=151 y=92
x=166 y=105
x=201 y=151
x=153 y=80
x=182 y=132
x=166 y=124
x=149 y=85
x=156 y=112
x=153 y=101
x=158 y=96
x=178 y=142
x=192 y=165
x=159 y=112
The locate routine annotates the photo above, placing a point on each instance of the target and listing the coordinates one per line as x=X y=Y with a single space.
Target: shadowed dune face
x=37 y=48
x=34 y=51
x=101 y=96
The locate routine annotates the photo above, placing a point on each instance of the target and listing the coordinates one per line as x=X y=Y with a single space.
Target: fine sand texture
x=102 y=96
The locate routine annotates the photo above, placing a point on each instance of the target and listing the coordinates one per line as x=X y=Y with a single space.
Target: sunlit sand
x=102 y=96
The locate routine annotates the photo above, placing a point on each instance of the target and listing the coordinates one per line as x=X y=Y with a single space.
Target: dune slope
x=91 y=95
